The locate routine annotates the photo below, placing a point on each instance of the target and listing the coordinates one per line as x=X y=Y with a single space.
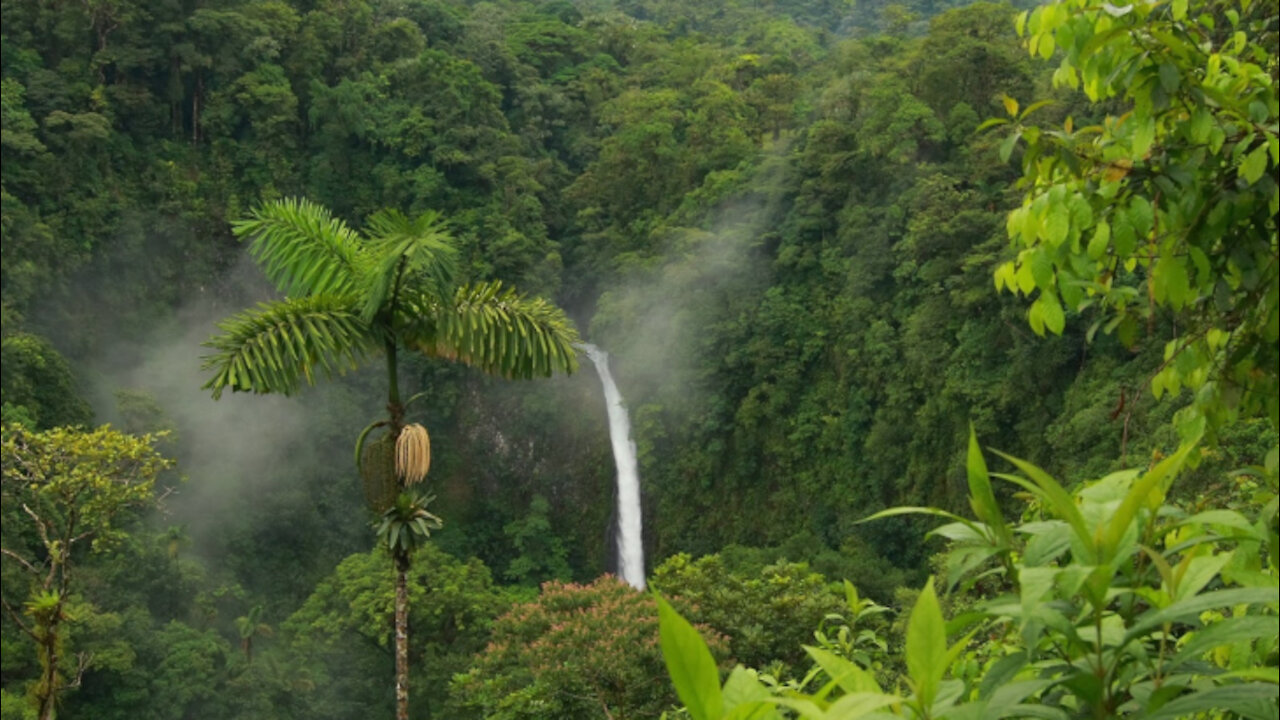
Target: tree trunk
x=402 y=636
x=47 y=690
x=195 y=109
x=396 y=410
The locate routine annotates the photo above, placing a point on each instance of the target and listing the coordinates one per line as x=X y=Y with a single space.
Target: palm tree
x=251 y=626
x=350 y=297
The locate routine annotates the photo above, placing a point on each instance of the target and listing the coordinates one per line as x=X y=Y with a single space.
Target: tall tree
x=67 y=490
x=351 y=296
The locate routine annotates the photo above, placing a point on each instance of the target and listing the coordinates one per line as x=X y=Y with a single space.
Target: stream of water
x=629 y=546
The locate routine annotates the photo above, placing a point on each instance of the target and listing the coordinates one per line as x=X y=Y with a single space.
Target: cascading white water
x=630 y=548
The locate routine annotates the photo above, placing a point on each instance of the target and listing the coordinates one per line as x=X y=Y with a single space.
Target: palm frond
x=414 y=252
x=302 y=247
x=275 y=346
x=496 y=330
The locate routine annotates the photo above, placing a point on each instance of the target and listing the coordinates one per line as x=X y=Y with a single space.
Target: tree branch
x=17 y=619
x=41 y=526
x=83 y=660
x=22 y=561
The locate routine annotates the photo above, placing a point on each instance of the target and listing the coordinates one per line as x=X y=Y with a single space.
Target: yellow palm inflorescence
x=413 y=454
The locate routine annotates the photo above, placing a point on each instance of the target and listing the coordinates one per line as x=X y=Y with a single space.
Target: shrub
x=577 y=651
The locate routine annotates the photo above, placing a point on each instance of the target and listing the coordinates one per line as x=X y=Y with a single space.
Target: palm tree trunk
x=396 y=410
x=394 y=407
x=402 y=636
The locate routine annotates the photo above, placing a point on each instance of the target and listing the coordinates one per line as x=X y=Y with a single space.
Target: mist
x=653 y=323
x=256 y=470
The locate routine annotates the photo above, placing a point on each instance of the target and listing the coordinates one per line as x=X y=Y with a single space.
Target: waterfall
x=629 y=547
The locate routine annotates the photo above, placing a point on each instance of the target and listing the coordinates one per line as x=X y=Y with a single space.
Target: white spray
x=630 y=549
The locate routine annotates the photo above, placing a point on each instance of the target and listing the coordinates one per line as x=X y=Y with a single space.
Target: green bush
x=766 y=615
x=577 y=651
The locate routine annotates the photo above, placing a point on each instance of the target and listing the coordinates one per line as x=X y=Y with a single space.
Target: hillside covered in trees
x=831 y=247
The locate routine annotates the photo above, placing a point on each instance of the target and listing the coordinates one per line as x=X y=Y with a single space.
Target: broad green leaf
x=1048 y=540
x=1172 y=286
x=1046 y=47
x=891 y=512
x=962 y=532
x=761 y=710
x=926 y=649
x=1008 y=695
x=1201 y=123
x=1125 y=237
x=1054 y=318
x=858 y=705
x=1144 y=134
x=1194 y=573
x=1191 y=608
x=689 y=663
x=1035 y=316
x=1059 y=501
x=1246 y=699
x=1226 y=519
x=1141 y=215
x=805 y=707
x=745 y=697
x=981 y=497
x=1263 y=674
x=1007 y=145
x=847 y=675
x=1101 y=240
x=1057 y=224
x=1041 y=268
x=1254 y=164
x=1147 y=492
x=1025 y=279
x=1219 y=634
x=1038 y=711
x=1000 y=673
x=963 y=559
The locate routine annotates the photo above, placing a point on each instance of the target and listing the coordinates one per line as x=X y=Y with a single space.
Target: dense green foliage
x=71 y=486
x=781 y=218
x=1107 y=601
x=575 y=652
x=1111 y=604
x=1174 y=194
x=766 y=614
